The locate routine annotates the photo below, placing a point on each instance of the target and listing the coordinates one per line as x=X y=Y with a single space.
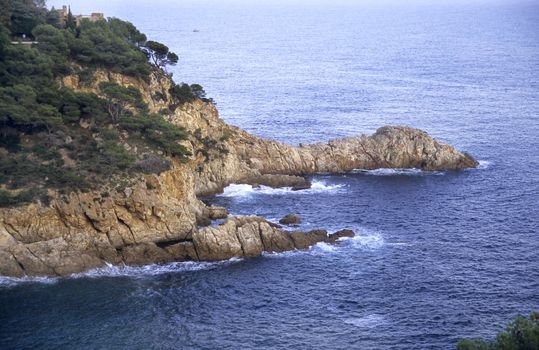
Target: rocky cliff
x=157 y=218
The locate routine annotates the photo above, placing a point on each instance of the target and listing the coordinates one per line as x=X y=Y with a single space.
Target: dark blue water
x=439 y=256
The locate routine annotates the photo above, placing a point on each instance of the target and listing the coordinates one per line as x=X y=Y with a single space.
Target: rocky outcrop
x=290 y=219
x=85 y=230
x=334 y=237
x=257 y=161
x=250 y=236
x=236 y=237
x=157 y=218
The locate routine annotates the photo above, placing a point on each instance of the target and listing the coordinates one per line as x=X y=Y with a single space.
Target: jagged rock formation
x=251 y=235
x=156 y=217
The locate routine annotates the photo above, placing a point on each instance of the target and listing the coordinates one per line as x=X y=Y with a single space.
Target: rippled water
x=438 y=256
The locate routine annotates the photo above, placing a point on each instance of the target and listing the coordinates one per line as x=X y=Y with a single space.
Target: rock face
x=250 y=236
x=334 y=237
x=236 y=237
x=157 y=217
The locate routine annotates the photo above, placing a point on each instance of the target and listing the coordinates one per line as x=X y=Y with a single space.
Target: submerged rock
x=332 y=238
x=290 y=219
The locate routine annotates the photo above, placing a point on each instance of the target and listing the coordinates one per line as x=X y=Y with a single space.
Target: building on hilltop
x=94 y=17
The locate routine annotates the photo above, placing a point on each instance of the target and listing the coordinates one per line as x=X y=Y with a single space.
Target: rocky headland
x=159 y=218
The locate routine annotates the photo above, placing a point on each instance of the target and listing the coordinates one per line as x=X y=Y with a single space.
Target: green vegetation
x=159 y=54
x=118 y=100
x=521 y=334
x=53 y=137
x=184 y=93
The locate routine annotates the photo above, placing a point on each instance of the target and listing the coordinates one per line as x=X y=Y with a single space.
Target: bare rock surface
x=217 y=213
x=305 y=240
x=334 y=237
x=250 y=236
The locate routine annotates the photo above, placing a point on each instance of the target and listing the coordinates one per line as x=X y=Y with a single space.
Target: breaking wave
x=396 y=172
x=367 y=241
x=368 y=321
x=364 y=240
x=243 y=190
x=6 y=282
x=110 y=270
x=484 y=164
x=151 y=270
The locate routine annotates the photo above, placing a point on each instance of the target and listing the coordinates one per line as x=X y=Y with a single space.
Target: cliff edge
x=157 y=218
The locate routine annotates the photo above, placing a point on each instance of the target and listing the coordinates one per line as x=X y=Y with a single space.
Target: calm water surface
x=439 y=256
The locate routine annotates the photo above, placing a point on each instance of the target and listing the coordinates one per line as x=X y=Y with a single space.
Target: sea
x=438 y=256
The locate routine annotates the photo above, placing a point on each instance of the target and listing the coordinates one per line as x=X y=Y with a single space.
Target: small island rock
x=332 y=238
x=291 y=219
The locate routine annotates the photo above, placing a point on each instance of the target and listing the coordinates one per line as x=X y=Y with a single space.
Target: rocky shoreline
x=159 y=217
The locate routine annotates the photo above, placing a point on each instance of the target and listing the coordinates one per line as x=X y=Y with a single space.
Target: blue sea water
x=438 y=256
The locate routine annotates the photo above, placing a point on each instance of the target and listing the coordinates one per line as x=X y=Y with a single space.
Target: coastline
x=159 y=218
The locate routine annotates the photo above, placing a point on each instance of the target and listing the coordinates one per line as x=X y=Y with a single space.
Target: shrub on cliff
x=7 y=198
x=184 y=93
x=53 y=43
x=521 y=334
x=21 y=16
x=20 y=108
x=159 y=54
x=158 y=132
x=181 y=93
x=118 y=99
x=152 y=164
x=111 y=45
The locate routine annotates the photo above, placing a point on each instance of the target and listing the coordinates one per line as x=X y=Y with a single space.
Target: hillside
x=103 y=155
x=58 y=136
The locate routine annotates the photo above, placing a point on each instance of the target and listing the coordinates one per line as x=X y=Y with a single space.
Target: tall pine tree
x=70 y=22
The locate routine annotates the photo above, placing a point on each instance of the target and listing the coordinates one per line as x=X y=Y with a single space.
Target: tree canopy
x=159 y=54
x=52 y=136
x=118 y=99
x=521 y=334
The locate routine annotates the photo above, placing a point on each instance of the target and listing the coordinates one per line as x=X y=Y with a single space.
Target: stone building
x=94 y=17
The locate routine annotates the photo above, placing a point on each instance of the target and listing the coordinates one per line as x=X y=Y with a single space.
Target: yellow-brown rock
x=154 y=219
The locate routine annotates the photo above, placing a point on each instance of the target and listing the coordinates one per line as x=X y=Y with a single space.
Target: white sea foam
x=110 y=270
x=243 y=190
x=14 y=281
x=396 y=172
x=283 y=254
x=365 y=240
x=153 y=269
x=324 y=247
x=367 y=321
x=484 y=164
x=237 y=190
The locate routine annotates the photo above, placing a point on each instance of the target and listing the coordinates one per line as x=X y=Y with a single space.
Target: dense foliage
x=159 y=54
x=54 y=137
x=521 y=334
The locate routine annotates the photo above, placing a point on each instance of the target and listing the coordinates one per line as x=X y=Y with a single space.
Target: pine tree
x=70 y=22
